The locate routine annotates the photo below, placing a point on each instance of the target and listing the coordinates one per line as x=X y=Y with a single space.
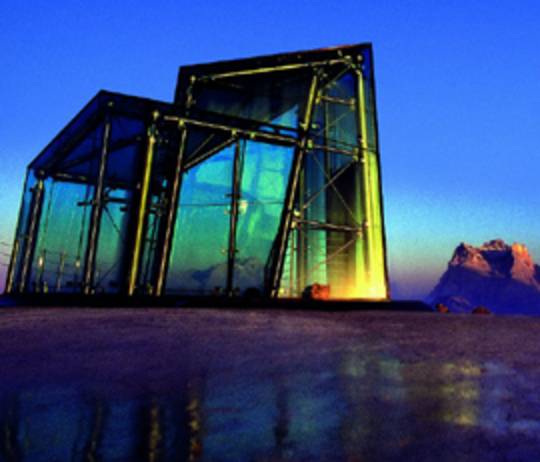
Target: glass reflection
x=198 y=262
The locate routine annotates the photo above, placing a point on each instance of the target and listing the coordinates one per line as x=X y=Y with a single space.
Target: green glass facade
x=263 y=175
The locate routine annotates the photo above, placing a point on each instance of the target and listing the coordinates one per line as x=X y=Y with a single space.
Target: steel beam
x=97 y=210
x=331 y=149
x=66 y=177
x=329 y=183
x=264 y=70
x=314 y=224
x=335 y=100
x=256 y=135
x=330 y=257
x=172 y=206
x=194 y=161
x=78 y=179
x=277 y=256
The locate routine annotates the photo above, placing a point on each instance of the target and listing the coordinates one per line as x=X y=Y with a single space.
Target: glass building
x=262 y=176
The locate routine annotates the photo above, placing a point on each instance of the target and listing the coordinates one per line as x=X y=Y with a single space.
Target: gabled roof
x=90 y=116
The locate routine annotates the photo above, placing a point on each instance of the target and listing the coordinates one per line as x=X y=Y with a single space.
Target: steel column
x=173 y=200
x=235 y=196
x=97 y=210
x=15 y=257
x=364 y=163
x=280 y=244
x=143 y=206
x=12 y=264
x=35 y=217
x=372 y=198
x=301 y=234
x=379 y=175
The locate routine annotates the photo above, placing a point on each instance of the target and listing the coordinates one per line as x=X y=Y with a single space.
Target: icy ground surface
x=136 y=384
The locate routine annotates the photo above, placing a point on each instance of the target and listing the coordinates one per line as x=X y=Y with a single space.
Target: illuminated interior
x=262 y=177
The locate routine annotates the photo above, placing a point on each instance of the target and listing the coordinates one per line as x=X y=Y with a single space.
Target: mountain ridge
x=500 y=276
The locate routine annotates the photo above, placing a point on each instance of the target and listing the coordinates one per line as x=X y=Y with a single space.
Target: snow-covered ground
x=170 y=384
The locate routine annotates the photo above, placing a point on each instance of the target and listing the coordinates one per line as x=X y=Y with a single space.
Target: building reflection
x=352 y=406
x=96 y=432
x=9 y=429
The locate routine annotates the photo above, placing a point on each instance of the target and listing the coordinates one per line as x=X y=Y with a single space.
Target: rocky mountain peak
x=494 y=245
x=496 y=258
x=470 y=257
x=494 y=274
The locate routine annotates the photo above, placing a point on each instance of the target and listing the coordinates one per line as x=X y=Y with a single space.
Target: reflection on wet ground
x=90 y=385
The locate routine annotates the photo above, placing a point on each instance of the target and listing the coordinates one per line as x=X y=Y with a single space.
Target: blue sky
x=458 y=94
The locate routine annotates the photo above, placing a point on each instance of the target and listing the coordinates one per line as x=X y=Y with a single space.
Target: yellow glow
x=242 y=206
x=464 y=391
x=364 y=292
x=155 y=436
x=372 y=284
x=467 y=369
x=466 y=417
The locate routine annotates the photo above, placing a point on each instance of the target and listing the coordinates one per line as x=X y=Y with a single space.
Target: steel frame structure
x=285 y=145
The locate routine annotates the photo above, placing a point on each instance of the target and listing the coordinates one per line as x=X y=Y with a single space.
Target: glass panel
x=328 y=245
x=123 y=165
x=164 y=160
x=265 y=175
x=337 y=236
x=21 y=234
x=130 y=118
x=202 y=142
x=289 y=276
x=148 y=265
x=127 y=138
x=338 y=231
x=335 y=121
x=198 y=262
x=127 y=129
x=112 y=242
x=61 y=239
x=316 y=256
x=277 y=97
x=126 y=144
x=82 y=158
x=78 y=125
x=338 y=239
x=341 y=264
x=327 y=224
